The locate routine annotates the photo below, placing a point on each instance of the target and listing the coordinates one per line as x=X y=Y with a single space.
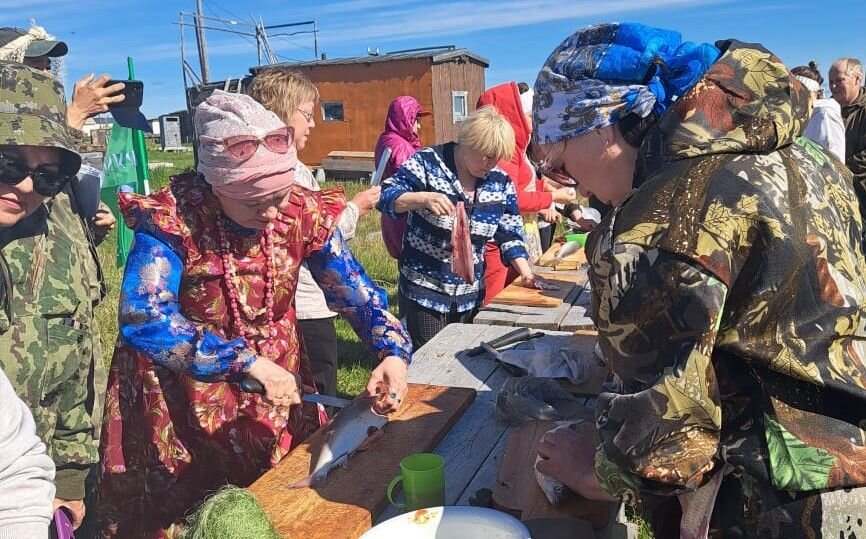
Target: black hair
x=634 y=128
x=523 y=87
x=810 y=72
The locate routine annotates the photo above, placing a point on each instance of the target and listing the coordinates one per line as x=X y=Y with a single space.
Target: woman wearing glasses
x=292 y=97
x=207 y=301
x=38 y=157
x=727 y=287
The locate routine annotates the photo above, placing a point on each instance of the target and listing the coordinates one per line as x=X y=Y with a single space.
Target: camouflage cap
x=33 y=110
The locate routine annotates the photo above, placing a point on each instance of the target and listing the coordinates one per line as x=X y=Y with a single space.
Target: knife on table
x=251 y=385
x=513 y=337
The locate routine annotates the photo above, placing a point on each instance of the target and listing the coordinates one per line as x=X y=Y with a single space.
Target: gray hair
x=853 y=66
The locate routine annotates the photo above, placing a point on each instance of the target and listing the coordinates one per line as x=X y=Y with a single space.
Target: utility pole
x=202 y=44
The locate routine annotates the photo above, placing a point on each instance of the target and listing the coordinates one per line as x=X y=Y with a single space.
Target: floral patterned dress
x=176 y=427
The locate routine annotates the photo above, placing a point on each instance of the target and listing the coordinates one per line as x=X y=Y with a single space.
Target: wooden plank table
x=571 y=315
x=475 y=446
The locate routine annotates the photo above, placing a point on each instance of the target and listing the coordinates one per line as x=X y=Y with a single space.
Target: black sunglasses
x=48 y=180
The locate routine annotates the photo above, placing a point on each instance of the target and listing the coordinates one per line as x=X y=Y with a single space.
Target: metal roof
x=437 y=56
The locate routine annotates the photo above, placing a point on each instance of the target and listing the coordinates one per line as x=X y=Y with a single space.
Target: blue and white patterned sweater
x=425 y=267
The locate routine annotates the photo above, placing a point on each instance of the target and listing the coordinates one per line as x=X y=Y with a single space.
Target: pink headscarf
x=224 y=115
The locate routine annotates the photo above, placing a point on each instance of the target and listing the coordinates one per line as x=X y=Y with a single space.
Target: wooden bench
x=346 y=164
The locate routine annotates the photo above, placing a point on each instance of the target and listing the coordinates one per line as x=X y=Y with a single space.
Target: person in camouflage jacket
x=727 y=285
x=47 y=341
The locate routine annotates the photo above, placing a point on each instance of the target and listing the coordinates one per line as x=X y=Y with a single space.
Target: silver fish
x=353 y=429
x=567 y=249
x=528 y=398
x=554 y=490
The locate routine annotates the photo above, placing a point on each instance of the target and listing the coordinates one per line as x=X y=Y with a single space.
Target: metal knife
x=251 y=385
x=513 y=337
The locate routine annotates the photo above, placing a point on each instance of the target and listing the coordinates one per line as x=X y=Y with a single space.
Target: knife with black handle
x=512 y=337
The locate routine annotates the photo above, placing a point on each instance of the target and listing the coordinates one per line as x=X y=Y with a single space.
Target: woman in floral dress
x=208 y=300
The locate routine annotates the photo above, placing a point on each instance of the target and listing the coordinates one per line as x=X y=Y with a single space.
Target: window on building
x=459 y=106
x=332 y=111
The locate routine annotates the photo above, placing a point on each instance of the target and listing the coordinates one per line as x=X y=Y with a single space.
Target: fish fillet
x=462 y=257
x=353 y=429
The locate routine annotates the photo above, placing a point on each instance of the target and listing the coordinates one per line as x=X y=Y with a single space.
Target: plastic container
x=462 y=522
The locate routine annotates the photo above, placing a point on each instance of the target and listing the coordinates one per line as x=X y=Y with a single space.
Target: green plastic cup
x=579 y=237
x=423 y=478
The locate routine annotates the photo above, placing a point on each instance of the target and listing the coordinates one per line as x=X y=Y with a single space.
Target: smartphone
x=134 y=92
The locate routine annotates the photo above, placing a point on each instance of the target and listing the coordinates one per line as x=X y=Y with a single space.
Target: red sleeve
x=529 y=202
x=521 y=175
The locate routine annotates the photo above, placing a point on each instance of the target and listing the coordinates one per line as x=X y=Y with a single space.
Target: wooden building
x=355 y=94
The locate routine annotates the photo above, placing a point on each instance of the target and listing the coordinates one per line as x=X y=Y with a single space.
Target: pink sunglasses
x=242 y=147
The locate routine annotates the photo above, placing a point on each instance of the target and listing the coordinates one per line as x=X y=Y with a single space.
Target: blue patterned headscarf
x=603 y=72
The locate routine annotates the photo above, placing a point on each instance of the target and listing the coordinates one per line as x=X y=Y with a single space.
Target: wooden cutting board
x=347 y=503
x=515 y=294
x=573 y=261
x=517 y=492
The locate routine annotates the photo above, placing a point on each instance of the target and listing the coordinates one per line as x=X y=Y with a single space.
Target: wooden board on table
x=517 y=492
x=347 y=503
x=515 y=294
x=573 y=261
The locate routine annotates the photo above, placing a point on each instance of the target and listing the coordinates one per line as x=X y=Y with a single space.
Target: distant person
x=531 y=196
x=402 y=135
x=292 y=97
x=846 y=85
x=825 y=125
x=39 y=50
x=428 y=187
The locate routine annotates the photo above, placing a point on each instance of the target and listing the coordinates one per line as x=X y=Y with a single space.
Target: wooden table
x=573 y=314
x=475 y=445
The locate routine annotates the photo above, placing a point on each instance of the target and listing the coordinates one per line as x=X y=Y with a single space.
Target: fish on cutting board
x=353 y=429
x=554 y=490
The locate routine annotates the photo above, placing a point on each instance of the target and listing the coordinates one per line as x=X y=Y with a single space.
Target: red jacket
x=506 y=99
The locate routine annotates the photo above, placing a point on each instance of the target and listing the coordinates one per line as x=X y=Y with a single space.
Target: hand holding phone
x=93 y=96
x=132 y=92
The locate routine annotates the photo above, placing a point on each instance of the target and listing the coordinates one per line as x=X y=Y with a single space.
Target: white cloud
x=354 y=6
x=450 y=18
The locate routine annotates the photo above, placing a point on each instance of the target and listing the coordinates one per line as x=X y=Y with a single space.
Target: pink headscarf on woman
x=224 y=115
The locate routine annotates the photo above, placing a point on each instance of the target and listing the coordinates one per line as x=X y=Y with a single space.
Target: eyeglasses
x=242 y=147
x=307 y=115
x=556 y=171
x=48 y=180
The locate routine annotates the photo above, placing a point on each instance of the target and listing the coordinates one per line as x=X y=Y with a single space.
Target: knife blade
x=326 y=400
x=251 y=385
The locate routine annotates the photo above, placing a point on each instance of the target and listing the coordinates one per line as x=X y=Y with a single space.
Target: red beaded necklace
x=232 y=285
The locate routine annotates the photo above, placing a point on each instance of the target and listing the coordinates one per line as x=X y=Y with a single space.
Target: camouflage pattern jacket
x=729 y=295
x=53 y=343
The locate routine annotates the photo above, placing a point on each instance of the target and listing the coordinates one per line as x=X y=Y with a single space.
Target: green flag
x=119 y=169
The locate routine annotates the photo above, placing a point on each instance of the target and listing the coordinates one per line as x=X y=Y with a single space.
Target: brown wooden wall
x=454 y=76
x=366 y=90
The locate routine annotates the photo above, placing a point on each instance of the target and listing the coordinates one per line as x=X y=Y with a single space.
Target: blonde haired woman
x=293 y=97
x=429 y=186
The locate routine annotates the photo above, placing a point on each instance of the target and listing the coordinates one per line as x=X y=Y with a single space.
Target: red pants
x=496 y=274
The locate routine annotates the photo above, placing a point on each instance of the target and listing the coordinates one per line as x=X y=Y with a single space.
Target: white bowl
x=464 y=522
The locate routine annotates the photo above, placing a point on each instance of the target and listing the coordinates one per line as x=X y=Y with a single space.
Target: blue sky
x=515 y=35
